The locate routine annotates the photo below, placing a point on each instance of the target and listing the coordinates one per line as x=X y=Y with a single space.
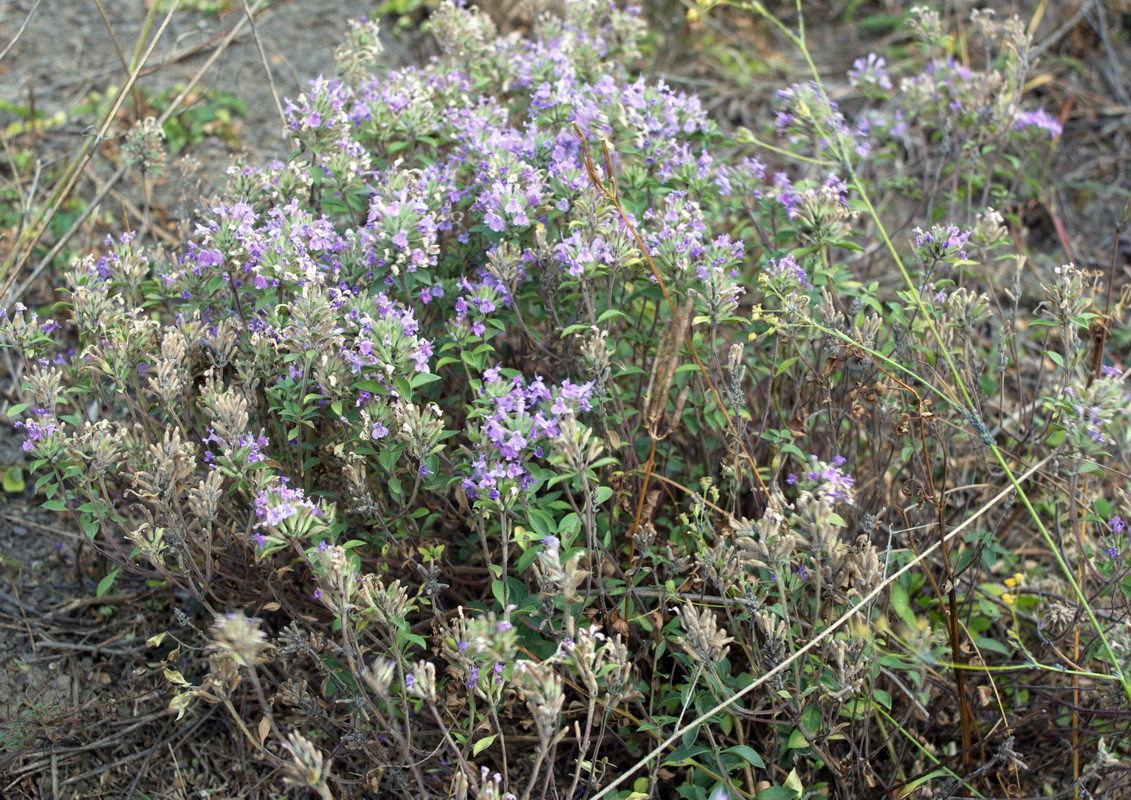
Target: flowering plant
x=450 y=374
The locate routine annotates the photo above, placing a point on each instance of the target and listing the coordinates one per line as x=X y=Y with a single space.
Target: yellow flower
x=1015 y=580
x=1007 y=598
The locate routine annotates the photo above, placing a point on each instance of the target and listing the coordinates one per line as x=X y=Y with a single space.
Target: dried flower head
x=704 y=640
x=308 y=769
x=240 y=638
x=144 y=147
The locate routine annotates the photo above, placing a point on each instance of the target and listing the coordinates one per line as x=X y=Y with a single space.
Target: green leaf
x=883 y=698
x=16 y=410
x=422 y=378
x=792 y=781
x=611 y=313
x=541 y=522
x=14 y=480
x=681 y=755
x=747 y=754
x=811 y=719
x=105 y=584
x=901 y=605
x=55 y=505
x=797 y=740
x=527 y=558
x=483 y=744
x=777 y=793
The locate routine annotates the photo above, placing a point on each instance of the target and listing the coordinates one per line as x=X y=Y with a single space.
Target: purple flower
x=941 y=243
x=870 y=70
x=786 y=275
x=1039 y=119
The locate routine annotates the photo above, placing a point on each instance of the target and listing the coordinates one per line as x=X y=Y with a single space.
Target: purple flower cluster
x=276 y=504
x=38 y=429
x=510 y=423
x=941 y=243
x=317 y=117
x=828 y=482
x=1041 y=120
x=406 y=216
x=246 y=449
x=582 y=254
x=478 y=300
x=385 y=339
x=807 y=113
x=785 y=276
x=951 y=96
x=1094 y=420
x=677 y=236
x=513 y=197
x=870 y=71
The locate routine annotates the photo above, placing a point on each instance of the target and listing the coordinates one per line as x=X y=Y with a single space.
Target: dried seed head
x=575 y=445
x=862 y=568
x=542 y=688
x=169 y=377
x=419 y=427
x=337 y=579
x=227 y=411
x=360 y=51
x=379 y=676
x=239 y=638
x=220 y=342
x=774 y=634
x=307 y=769
x=168 y=466
x=560 y=578
x=45 y=386
x=849 y=668
x=149 y=542
x=724 y=564
x=989 y=229
x=204 y=498
x=99 y=446
x=145 y=147
x=421 y=682
x=595 y=354
x=967 y=310
x=705 y=640
x=388 y=604
x=463 y=34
